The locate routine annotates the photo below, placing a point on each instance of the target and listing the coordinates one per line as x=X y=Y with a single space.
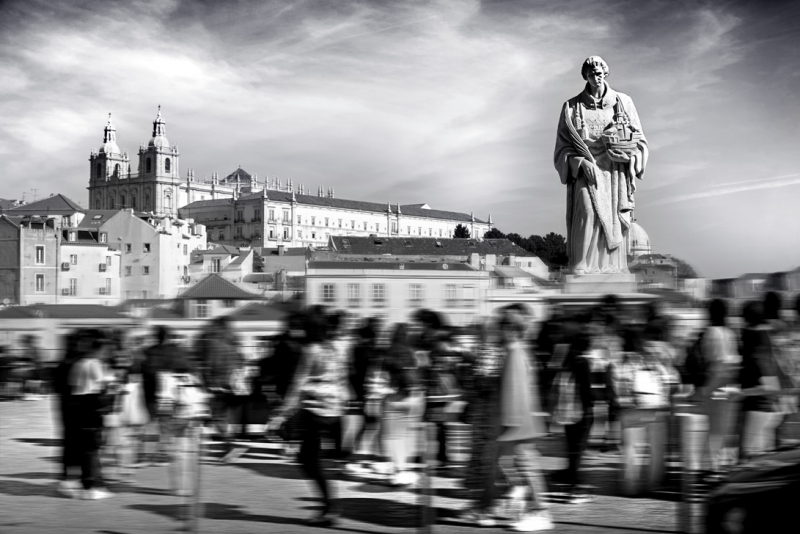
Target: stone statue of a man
x=600 y=152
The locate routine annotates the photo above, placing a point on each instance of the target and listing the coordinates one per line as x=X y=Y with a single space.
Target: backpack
x=696 y=365
x=649 y=390
x=568 y=408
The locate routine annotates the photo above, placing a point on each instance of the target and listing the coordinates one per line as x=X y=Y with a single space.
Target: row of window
x=148 y=167
x=73 y=258
x=416 y=295
x=72 y=290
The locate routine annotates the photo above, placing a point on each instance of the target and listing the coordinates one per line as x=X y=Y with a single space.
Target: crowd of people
x=510 y=383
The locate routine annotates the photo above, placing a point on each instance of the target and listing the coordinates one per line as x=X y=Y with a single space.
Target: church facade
x=239 y=210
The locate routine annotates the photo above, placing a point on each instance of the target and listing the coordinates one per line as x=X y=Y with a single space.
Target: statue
x=600 y=153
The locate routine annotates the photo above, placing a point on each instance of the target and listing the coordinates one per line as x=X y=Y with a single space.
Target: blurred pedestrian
x=402 y=408
x=366 y=360
x=69 y=414
x=283 y=366
x=576 y=379
x=641 y=386
x=760 y=385
x=716 y=371
x=319 y=392
x=482 y=393
x=222 y=363
x=88 y=377
x=521 y=423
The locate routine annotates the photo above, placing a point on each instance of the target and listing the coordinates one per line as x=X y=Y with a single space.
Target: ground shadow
x=43 y=442
x=393 y=514
x=17 y=488
x=288 y=472
x=34 y=475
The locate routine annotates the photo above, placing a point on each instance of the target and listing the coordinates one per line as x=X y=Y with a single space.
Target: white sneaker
x=69 y=488
x=95 y=494
x=404 y=478
x=533 y=522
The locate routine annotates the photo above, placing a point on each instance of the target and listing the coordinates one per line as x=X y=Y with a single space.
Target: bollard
x=691 y=515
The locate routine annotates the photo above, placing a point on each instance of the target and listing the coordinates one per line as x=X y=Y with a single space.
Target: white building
x=155 y=251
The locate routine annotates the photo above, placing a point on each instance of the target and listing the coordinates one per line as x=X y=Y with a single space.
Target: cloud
x=732 y=188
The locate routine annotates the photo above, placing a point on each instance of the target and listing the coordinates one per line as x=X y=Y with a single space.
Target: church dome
x=109 y=138
x=638 y=241
x=159 y=138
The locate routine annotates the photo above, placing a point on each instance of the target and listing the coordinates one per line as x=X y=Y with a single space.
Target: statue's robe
x=598 y=217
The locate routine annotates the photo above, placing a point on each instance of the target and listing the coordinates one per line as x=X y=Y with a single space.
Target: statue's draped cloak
x=612 y=197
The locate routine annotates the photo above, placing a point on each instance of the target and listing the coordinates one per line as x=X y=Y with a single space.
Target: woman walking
x=403 y=408
x=320 y=393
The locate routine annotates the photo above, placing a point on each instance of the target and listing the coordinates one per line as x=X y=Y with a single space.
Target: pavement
x=266 y=492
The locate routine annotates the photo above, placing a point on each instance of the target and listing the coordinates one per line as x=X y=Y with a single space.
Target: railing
x=353 y=303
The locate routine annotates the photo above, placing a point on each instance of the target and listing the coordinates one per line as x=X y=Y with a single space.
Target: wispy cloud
x=732 y=189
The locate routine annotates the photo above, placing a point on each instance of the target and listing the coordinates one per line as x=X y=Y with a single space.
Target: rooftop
x=61 y=311
x=54 y=205
x=424 y=246
x=387 y=266
x=213 y=287
x=256 y=311
x=414 y=210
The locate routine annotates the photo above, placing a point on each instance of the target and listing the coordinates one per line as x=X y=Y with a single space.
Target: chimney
x=475 y=260
x=491 y=261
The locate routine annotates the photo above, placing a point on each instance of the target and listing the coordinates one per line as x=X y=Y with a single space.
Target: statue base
x=603 y=283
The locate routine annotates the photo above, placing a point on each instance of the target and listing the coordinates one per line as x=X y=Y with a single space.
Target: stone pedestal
x=600 y=283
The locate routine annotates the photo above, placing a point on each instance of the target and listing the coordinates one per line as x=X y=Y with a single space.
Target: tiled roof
x=214 y=286
x=12 y=219
x=507 y=271
x=207 y=203
x=222 y=249
x=55 y=205
x=240 y=173
x=414 y=210
x=387 y=266
x=255 y=278
x=62 y=311
x=6 y=204
x=258 y=312
x=424 y=246
x=95 y=218
x=294 y=251
x=238 y=261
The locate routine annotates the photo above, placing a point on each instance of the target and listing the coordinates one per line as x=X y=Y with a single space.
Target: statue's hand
x=591 y=172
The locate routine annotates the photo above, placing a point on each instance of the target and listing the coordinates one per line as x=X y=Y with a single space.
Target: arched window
x=111 y=202
x=168 y=203
x=133 y=200
x=116 y=170
x=98 y=203
x=148 y=166
x=122 y=200
x=146 y=202
x=99 y=172
x=166 y=165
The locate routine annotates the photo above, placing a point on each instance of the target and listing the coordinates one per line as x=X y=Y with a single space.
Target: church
x=239 y=210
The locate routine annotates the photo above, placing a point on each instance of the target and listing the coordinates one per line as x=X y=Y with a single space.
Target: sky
x=452 y=103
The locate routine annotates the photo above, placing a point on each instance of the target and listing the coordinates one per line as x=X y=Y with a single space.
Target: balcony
x=379 y=303
x=459 y=303
x=415 y=303
x=255 y=220
x=353 y=303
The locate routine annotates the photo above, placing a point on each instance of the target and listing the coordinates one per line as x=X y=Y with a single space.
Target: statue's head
x=593 y=63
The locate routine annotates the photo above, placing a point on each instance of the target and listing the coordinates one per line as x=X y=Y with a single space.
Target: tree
x=494 y=233
x=461 y=232
x=684 y=269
